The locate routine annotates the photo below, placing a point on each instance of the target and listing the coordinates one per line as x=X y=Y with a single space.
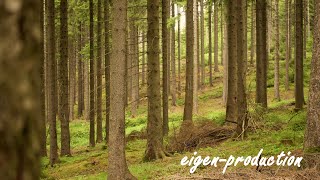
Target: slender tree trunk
x=63 y=111
x=312 y=133
x=299 y=97
x=232 y=108
x=20 y=106
x=216 y=61
x=43 y=142
x=135 y=71
x=288 y=42
x=165 y=65
x=80 y=75
x=261 y=72
x=253 y=34
x=242 y=121
x=173 y=58
x=155 y=133
x=188 y=106
x=210 y=41
x=143 y=60
x=305 y=27
x=222 y=34
x=225 y=64
x=196 y=68
x=118 y=169
x=277 y=57
x=203 y=67
x=72 y=79
x=107 y=63
x=179 y=55
x=198 y=54
x=99 y=74
x=92 y=88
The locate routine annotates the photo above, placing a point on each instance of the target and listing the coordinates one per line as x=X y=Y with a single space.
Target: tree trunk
x=63 y=112
x=118 y=169
x=154 y=125
x=43 y=142
x=80 y=75
x=173 y=58
x=277 y=57
x=107 y=63
x=232 y=108
x=165 y=65
x=299 y=97
x=143 y=76
x=288 y=41
x=196 y=68
x=242 y=121
x=52 y=63
x=225 y=64
x=222 y=33
x=261 y=72
x=312 y=133
x=135 y=70
x=210 y=41
x=253 y=34
x=92 y=89
x=216 y=67
x=72 y=78
x=99 y=74
x=20 y=59
x=188 y=106
x=179 y=55
x=203 y=67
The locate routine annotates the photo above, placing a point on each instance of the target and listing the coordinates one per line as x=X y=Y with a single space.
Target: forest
x=150 y=89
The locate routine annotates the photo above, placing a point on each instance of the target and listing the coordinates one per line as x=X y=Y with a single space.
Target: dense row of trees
x=69 y=60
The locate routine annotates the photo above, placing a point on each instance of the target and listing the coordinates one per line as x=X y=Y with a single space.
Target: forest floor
x=278 y=129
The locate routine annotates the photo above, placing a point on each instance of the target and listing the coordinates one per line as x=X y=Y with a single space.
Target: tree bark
x=232 y=100
x=99 y=74
x=196 y=69
x=43 y=144
x=92 y=88
x=155 y=133
x=80 y=74
x=312 y=133
x=202 y=33
x=118 y=169
x=210 y=42
x=253 y=34
x=63 y=112
x=225 y=64
x=107 y=35
x=216 y=61
x=52 y=101
x=288 y=42
x=188 y=106
x=135 y=70
x=261 y=72
x=165 y=65
x=179 y=55
x=299 y=97
x=173 y=58
x=277 y=57
x=20 y=59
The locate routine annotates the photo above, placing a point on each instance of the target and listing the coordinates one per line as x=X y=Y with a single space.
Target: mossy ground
x=270 y=132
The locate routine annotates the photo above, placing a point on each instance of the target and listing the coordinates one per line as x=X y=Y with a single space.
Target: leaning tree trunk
x=118 y=168
x=261 y=72
x=188 y=106
x=299 y=97
x=165 y=65
x=154 y=148
x=20 y=59
x=312 y=133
